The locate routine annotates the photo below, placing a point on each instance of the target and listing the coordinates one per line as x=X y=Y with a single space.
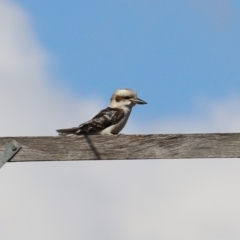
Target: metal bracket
x=9 y=152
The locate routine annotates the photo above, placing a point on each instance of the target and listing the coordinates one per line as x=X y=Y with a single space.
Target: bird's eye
x=127 y=97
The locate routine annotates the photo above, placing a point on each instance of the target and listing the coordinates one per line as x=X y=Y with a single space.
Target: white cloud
x=26 y=100
x=157 y=199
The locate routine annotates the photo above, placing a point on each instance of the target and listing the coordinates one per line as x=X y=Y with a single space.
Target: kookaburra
x=110 y=120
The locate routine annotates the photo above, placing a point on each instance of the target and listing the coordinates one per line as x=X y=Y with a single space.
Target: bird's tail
x=68 y=131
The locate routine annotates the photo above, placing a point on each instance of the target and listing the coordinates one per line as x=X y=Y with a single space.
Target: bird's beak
x=138 y=101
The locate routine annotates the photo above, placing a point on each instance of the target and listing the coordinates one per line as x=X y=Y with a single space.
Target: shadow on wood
x=94 y=149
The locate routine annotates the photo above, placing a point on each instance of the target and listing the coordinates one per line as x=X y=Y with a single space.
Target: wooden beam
x=156 y=146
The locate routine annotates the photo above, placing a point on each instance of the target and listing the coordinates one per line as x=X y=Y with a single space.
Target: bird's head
x=125 y=97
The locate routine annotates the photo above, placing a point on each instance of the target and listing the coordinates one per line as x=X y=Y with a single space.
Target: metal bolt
x=14 y=148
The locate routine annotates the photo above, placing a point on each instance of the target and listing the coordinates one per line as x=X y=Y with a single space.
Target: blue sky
x=60 y=62
x=173 y=53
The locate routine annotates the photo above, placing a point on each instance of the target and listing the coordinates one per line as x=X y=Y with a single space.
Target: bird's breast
x=116 y=128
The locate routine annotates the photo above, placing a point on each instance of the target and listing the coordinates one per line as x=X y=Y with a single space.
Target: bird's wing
x=102 y=120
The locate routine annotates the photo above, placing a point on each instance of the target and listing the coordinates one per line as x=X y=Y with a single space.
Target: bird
x=111 y=120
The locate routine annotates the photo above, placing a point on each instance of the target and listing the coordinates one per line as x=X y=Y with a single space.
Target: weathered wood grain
x=157 y=146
